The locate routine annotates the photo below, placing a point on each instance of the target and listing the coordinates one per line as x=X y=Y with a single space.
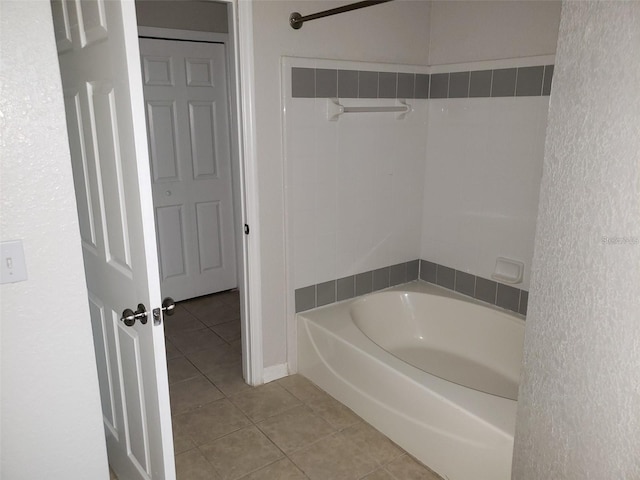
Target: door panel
x=171 y=243
x=188 y=116
x=209 y=235
x=202 y=129
x=102 y=85
x=163 y=142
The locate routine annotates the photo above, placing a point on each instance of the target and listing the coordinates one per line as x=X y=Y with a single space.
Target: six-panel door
x=99 y=60
x=187 y=112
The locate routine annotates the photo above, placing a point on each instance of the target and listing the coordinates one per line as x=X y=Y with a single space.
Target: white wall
x=183 y=15
x=396 y=32
x=579 y=402
x=471 y=31
x=51 y=414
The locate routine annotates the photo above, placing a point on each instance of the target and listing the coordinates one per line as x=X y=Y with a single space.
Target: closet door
x=186 y=98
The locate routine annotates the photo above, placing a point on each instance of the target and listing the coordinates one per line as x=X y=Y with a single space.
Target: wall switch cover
x=12 y=264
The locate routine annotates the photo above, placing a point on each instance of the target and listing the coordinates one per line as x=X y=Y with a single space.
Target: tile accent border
x=503 y=82
x=489 y=291
x=352 y=286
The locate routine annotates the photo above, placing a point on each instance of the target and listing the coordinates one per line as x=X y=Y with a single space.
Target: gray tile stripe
x=340 y=289
x=322 y=83
x=489 y=291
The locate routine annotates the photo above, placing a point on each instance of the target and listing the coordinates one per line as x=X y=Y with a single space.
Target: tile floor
x=288 y=429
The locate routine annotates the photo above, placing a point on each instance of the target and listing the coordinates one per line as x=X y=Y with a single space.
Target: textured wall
x=50 y=408
x=395 y=32
x=579 y=407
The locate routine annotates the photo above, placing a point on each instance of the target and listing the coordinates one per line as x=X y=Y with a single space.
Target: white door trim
x=241 y=88
x=241 y=20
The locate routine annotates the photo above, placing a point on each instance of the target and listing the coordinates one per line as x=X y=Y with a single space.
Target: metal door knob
x=129 y=317
x=168 y=306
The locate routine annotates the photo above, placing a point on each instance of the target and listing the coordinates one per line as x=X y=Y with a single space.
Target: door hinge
x=246 y=229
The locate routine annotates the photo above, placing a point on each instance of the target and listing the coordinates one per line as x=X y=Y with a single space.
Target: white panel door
x=99 y=60
x=186 y=99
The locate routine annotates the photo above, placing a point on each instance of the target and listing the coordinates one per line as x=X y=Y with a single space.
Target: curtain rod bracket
x=294 y=21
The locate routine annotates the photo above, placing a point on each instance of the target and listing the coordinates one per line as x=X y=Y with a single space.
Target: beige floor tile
x=241 y=453
x=194 y=305
x=281 y=470
x=332 y=411
x=210 y=422
x=212 y=306
x=195 y=340
x=192 y=465
x=406 y=468
x=380 y=474
x=265 y=401
x=228 y=378
x=236 y=345
x=371 y=441
x=301 y=388
x=181 y=440
x=220 y=314
x=229 y=331
x=181 y=321
x=231 y=297
x=295 y=428
x=213 y=358
x=191 y=394
x=171 y=350
x=181 y=369
x=333 y=458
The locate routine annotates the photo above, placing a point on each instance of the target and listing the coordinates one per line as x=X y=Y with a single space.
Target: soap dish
x=508 y=271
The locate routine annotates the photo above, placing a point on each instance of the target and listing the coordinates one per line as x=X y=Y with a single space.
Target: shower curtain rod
x=296 y=20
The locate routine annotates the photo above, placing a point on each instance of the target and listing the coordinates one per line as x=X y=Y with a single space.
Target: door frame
x=239 y=57
x=241 y=42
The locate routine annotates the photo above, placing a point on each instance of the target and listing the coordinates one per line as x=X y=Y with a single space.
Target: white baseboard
x=274 y=372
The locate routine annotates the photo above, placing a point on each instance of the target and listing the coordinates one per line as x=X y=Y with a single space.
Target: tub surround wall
x=351 y=214
x=484 y=163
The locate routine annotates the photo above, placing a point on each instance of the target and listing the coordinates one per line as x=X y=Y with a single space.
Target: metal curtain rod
x=296 y=20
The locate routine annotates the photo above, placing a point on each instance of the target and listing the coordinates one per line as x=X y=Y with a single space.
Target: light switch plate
x=12 y=264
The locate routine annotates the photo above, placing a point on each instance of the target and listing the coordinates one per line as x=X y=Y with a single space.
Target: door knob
x=129 y=317
x=168 y=306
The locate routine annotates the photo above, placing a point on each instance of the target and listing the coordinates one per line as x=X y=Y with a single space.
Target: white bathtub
x=435 y=371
